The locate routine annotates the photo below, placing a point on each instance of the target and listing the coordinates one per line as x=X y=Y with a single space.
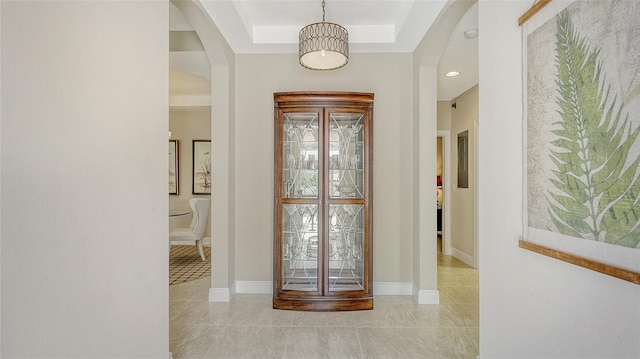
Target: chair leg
x=200 y=250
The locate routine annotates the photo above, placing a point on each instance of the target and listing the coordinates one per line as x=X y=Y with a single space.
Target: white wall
x=532 y=306
x=84 y=203
x=462 y=199
x=389 y=77
x=444 y=115
x=424 y=214
x=1 y=184
x=186 y=125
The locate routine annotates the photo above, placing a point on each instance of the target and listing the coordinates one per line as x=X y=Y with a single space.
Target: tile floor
x=397 y=327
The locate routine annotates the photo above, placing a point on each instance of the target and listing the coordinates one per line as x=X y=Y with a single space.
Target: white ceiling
x=272 y=26
x=375 y=26
x=460 y=54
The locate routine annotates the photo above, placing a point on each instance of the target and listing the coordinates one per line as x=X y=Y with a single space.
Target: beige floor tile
x=196 y=312
x=257 y=313
x=188 y=292
x=456 y=342
x=397 y=327
x=393 y=299
x=397 y=343
x=460 y=294
x=247 y=342
x=323 y=319
x=189 y=341
x=260 y=298
x=327 y=342
x=469 y=313
x=387 y=315
x=438 y=316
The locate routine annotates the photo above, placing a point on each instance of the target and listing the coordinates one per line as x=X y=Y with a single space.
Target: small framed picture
x=201 y=167
x=174 y=178
x=463 y=159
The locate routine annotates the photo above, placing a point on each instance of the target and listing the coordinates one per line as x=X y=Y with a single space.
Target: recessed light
x=452 y=73
x=471 y=34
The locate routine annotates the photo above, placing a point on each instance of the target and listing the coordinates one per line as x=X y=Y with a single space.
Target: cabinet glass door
x=346 y=247
x=346 y=189
x=300 y=155
x=300 y=247
x=346 y=155
x=299 y=238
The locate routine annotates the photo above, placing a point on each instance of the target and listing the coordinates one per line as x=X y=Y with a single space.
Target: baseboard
x=427 y=296
x=219 y=295
x=392 y=288
x=232 y=290
x=254 y=287
x=465 y=258
x=206 y=241
x=379 y=288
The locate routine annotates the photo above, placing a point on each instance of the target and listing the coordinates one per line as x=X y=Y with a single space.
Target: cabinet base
x=323 y=305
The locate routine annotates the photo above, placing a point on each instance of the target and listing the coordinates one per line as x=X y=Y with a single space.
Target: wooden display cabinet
x=323 y=201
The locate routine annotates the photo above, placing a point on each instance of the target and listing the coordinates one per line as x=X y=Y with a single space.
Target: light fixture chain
x=322 y=10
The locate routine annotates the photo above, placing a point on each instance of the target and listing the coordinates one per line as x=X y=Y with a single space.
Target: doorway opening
x=443 y=192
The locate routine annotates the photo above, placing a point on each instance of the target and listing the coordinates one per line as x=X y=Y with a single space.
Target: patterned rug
x=186 y=265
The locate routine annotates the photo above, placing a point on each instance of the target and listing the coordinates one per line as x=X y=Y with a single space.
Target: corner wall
x=0 y=185
x=532 y=306
x=426 y=58
x=463 y=212
x=84 y=192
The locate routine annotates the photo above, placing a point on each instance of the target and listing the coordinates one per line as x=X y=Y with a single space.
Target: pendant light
x=323 y=45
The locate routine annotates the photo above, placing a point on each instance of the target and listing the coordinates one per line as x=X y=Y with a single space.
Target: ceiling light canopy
x=323 y=45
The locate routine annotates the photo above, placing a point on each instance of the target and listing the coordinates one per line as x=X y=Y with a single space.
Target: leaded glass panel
x=300 y=247
x=300 y=155
x=346 y=155
x=346 y=247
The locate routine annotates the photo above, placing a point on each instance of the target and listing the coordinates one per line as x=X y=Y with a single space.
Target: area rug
x=186 y=265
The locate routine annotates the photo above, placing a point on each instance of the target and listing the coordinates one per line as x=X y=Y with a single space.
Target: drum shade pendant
x=323 y=45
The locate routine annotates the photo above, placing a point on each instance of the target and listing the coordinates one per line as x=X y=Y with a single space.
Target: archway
x=222 y=128
x=426 y=58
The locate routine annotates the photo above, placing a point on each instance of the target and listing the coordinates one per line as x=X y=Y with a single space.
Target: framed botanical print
x=581 y=188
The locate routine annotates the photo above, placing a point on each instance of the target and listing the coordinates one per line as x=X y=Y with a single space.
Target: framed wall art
x=201 y=167
x=582 y=131
x=174 y=168
x=463 y=159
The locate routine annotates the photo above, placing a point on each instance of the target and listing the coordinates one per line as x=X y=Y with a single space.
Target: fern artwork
x=583 y=123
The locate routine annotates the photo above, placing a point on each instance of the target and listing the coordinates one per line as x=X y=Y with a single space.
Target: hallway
x=397 y=327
